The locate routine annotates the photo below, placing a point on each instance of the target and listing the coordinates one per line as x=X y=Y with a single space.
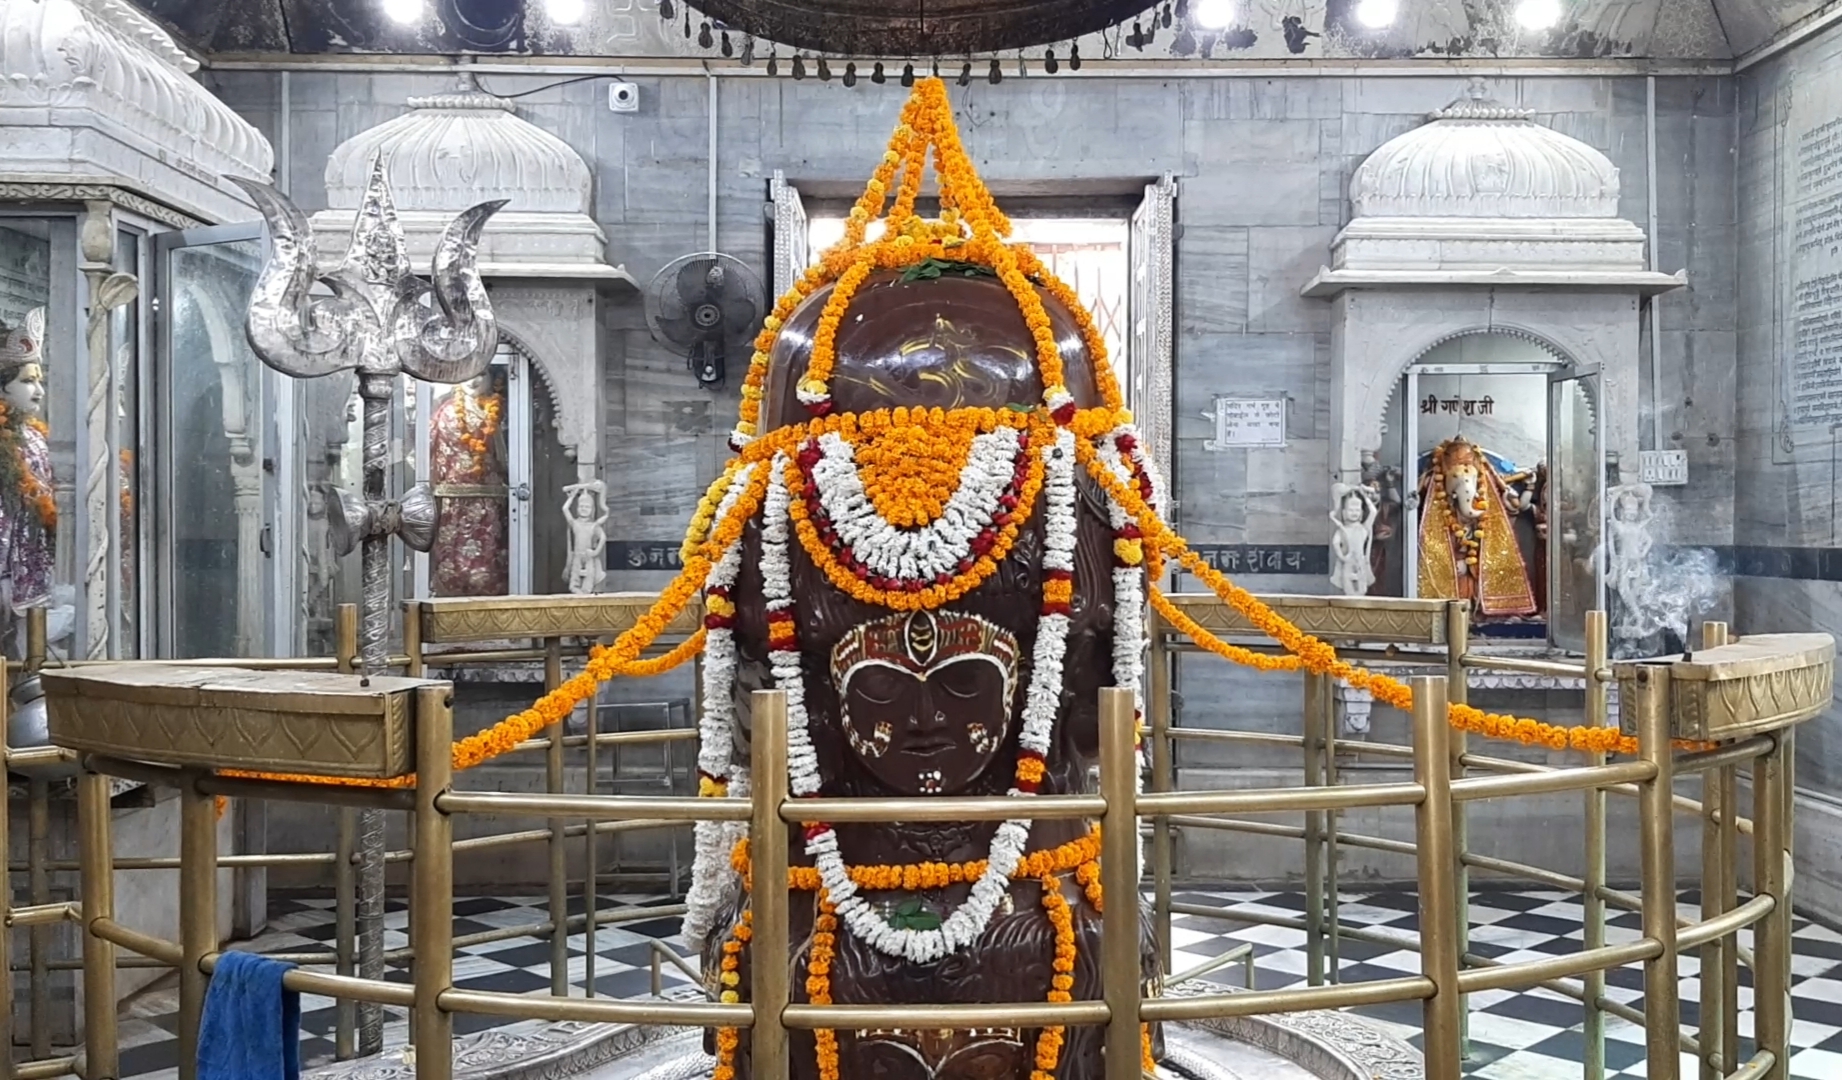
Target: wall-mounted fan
x=706 y=306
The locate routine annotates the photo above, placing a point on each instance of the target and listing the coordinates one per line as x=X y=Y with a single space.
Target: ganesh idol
x=1470 y=548
x=28 y=510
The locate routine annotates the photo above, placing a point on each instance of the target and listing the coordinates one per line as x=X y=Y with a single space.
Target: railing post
x=1316 y=712
x=96 y=857
x=38 y=891
x=1458 y=692
x=770 y=946
x=1439 y=950
x=197 y=911
x=1656 y=805
x=432 y=885
x=559 y=831
x=38 y=878
x=1598 y=657
x=1771 y=934
x=1120 y=970
x=1163 y=778
x=345 y=638
x=1717 y=1055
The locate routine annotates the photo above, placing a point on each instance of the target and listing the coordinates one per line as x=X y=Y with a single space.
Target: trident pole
x=383 y=321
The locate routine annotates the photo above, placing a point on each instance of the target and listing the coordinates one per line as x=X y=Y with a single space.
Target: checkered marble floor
x=1526 y=1035
x=1534 y=1035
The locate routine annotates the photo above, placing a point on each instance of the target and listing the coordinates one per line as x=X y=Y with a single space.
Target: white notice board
x=1244 y=422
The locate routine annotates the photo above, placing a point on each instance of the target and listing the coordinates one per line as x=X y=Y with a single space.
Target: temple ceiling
x=1654 y=29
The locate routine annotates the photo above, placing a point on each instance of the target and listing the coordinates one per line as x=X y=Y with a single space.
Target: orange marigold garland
x=478 y=439
x=730 y=979
x=620 y=659
x=818 y=982
x=1320 y=657
x=1061 y=980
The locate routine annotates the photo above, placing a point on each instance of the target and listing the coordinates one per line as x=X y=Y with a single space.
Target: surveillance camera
x=623 y=97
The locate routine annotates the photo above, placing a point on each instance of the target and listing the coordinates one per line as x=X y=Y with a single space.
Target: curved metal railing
x=1445 y=779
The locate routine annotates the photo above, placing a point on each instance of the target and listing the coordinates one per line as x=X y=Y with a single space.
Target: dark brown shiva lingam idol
x=929 y=702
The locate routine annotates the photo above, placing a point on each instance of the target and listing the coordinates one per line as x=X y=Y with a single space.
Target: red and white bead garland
x=719 y=773
x=891 y=556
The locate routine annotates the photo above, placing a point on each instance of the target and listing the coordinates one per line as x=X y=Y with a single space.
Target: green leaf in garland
x=934 y=269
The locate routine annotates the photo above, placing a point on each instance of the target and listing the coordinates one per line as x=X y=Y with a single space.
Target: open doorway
x=1121 y=265
x=1088 y=253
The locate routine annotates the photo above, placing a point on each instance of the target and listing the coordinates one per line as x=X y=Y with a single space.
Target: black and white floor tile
x=1534 y=1035
x=1529 y=1035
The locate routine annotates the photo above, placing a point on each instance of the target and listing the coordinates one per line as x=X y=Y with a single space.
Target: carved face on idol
x=1352 y=510
x=25 y=391
x=926 y=698
x=1461 y=486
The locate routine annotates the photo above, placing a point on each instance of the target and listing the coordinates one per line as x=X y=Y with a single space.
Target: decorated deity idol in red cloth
x=470 y=556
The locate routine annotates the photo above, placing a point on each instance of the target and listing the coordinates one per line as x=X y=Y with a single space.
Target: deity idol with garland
x=470 y=556
x=28 y=512
x=942 y=589
x=1469 y=548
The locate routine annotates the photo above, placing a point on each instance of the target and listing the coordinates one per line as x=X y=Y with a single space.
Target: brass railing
x=1444 y=779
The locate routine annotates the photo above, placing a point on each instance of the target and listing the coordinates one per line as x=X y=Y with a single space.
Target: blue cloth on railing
x=251 y=1029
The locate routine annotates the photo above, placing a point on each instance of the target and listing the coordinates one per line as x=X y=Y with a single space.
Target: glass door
x=215 y=469
x=1571 y=500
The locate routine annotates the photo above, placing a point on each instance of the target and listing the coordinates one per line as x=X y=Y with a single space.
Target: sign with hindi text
x=1248 y=422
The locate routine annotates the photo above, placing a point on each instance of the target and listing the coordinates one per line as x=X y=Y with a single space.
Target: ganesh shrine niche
x=1486 y=302
x=512 y=457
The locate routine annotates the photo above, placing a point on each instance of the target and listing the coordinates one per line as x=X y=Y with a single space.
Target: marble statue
x=1628 y=542
x=28 y=512
x=471 y=555
x=1353 y=514
x=585 y=507
x=1468 y=544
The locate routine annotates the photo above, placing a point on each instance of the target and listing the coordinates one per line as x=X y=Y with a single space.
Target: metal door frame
x=1410 y=449
x=157 y=623
x=1589 y=376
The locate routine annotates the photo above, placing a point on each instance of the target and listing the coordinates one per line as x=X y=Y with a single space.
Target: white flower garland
x=1128 y=587
x=936 y=548
x=711 y=878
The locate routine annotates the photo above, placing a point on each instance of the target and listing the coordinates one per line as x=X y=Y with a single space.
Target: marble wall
x=1264 y=165
x=1786 y=492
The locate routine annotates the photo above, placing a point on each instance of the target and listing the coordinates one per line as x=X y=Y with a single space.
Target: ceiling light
x=1214 y=14
x=565 y=12
x=403 y=11
x=1376 y=14
x=1538 y=14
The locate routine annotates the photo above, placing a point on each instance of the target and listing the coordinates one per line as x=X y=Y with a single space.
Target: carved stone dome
x=454 y=150
x=1476 y=158
x=94 y=92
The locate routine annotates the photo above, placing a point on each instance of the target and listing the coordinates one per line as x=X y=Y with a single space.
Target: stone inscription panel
x=1814 y=285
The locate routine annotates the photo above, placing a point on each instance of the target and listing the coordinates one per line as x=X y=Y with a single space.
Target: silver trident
x=377 y=317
